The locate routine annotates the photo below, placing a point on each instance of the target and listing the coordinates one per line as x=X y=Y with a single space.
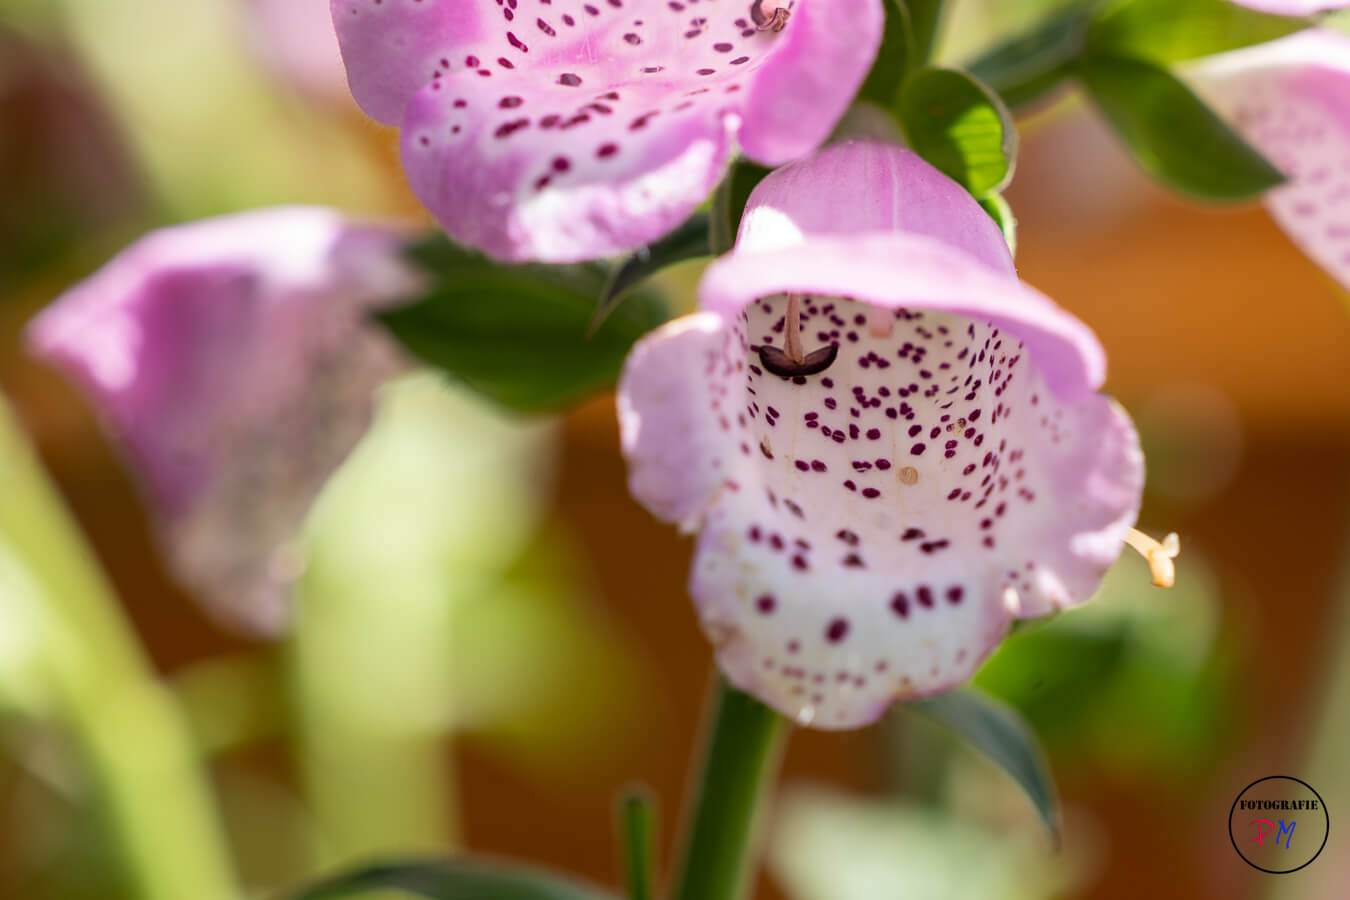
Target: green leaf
x=1172 y=134
x=637 y=821
x=729 y=202
x=1168 y=31
x=1002 y=214
x=689 y=241
x=996 y=730
x=893 y=59
x=519 y=334
x=452 y=880
x=1030 y=65
x=959 y=126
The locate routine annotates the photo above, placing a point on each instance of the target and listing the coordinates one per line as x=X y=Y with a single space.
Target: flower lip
x=578 y=130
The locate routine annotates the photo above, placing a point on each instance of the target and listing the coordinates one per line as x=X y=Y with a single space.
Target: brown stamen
x=792 y=360
x=779 y=363
x=775 y=20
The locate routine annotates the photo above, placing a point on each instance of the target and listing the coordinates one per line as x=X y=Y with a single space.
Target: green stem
x=925 y=18
x=129 y=728
x=637 y=824
x=743 y=746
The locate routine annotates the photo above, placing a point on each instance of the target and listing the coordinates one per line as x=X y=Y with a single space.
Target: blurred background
x=492 y=638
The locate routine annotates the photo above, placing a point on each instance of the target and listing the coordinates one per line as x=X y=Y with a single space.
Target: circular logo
x=1278 y=824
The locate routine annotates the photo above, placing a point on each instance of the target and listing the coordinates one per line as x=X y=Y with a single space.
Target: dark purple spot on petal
x=836 y=631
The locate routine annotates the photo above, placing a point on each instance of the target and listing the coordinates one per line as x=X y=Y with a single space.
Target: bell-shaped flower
x=232 y=362
x=566 y=130
x=1290 y=99
x=889 y=446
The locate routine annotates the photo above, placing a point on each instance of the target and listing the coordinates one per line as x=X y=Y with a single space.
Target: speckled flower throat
x=564 y=130
x=669 y=59
x=874 y=480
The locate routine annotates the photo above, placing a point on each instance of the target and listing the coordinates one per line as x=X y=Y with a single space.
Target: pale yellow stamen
x=1158 y=554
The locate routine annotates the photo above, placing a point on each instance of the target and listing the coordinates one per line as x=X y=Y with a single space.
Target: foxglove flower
x=565 y=130
x=872 y=517
x=1291 y=99
x=231 y=360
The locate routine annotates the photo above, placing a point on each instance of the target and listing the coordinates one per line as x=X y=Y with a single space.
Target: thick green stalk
x=743 y=746
x=130 y=730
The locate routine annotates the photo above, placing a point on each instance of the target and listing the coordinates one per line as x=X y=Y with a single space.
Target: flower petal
x=903 y=194
x=1291 y=99
x=871 y=529
x=230 y=359
x=569 y=131
x=672 y=440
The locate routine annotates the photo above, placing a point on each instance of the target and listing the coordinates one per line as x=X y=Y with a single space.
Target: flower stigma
x=1158 y=553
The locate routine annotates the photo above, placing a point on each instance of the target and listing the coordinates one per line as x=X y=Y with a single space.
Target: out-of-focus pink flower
x=1291 y=99
x=570 y=130
x=868 y=531
x=232 y=361
x=1293 y=7
x=296 y=38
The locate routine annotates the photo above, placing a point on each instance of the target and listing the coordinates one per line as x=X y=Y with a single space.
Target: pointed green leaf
x=689 y=241
x=959 y=126
x=1168 y=31
x=1172 y=134
x=519 y=334
x=1030 y=65
x=997 y=731
x=451 y=880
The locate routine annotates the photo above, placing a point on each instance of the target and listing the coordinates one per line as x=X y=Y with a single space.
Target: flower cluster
x=889 y=446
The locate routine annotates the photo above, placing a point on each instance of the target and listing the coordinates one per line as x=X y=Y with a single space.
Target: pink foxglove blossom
x=565 y=130
x=1291 y=99
x=231 y=360
x=871 y=518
